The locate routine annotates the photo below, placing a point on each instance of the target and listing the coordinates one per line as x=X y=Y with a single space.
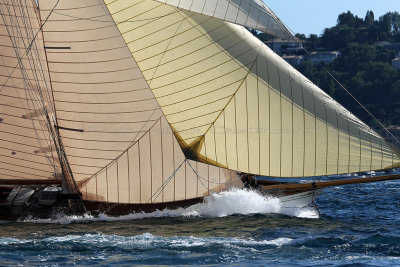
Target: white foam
x=307 y=213
x=279 y=241
x=235 y=201
x=11 y=241
x=148 y=240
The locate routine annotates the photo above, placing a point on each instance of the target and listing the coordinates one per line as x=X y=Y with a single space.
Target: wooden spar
x=295 y=188
x=30 y=182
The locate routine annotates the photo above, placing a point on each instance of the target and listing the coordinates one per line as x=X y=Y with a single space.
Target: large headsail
x=233 y=103
x=253 y=14
x=27 y=148
x=119 y=145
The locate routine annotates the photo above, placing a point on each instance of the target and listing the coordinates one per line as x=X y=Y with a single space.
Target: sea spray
x=226 y=203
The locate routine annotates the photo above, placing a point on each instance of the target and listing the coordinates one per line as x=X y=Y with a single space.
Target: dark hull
x=75 y=207
x=115 y=209
x=14 y=213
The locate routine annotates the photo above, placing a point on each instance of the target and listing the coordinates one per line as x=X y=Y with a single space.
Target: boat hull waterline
x=36 y=207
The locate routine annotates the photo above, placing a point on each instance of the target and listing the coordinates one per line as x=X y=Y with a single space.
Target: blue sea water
x=358 y=225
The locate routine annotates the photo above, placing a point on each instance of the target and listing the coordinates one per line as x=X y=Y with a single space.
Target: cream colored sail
x=253 y=14
x=119 y=145
x=233 y=103
x=27 y=150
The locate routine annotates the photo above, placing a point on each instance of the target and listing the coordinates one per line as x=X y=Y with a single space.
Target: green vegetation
x=364 y=65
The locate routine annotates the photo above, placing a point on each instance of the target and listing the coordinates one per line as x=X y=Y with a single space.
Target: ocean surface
x=358 y=225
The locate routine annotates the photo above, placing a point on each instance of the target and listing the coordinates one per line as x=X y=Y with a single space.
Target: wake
x=234 y=201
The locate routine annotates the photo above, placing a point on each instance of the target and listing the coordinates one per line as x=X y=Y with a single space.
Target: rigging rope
x=13 y=35
x=355 y=99
x=162 y=187
x=34 y=38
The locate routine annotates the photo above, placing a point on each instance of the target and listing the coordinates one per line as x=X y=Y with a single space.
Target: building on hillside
x=293 y=60
x=326 y=57
x=279 y=45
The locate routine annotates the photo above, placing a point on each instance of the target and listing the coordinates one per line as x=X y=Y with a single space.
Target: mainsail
x=146 y=102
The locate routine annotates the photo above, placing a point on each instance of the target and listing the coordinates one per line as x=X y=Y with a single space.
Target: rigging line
x=49 y=99
x=41 y=27
x=60 y=150
x=161 y=189
x=43 y=110
x=362 y=106
x=199 y=178
x=25 y=74
x=206 y=187
x=42 y=71
x=33 y=68
x=165 y=51
x=23 y=71
x=348 y=92
x=208 y=180
x=11 y=21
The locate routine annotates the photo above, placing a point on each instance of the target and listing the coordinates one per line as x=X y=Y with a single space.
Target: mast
x=68 y=183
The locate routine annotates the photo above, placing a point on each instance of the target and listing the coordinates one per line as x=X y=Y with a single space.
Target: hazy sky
x=313 y=16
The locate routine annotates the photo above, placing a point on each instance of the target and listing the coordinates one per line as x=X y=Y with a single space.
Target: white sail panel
x=253 y=14
x=232 y=102
x=27 y=150
x=118 y=144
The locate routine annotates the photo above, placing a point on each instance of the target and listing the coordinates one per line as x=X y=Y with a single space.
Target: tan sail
x=27 y=150
x=118 y=143
x=233 y=103
x=253 y=14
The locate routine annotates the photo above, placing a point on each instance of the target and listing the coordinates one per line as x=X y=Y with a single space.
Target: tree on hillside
x=369 y=18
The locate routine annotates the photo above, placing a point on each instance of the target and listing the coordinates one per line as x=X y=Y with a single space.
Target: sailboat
x=119 y=106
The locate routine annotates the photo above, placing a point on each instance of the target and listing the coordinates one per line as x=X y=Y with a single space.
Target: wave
x=145 y=240
x=235 y=201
